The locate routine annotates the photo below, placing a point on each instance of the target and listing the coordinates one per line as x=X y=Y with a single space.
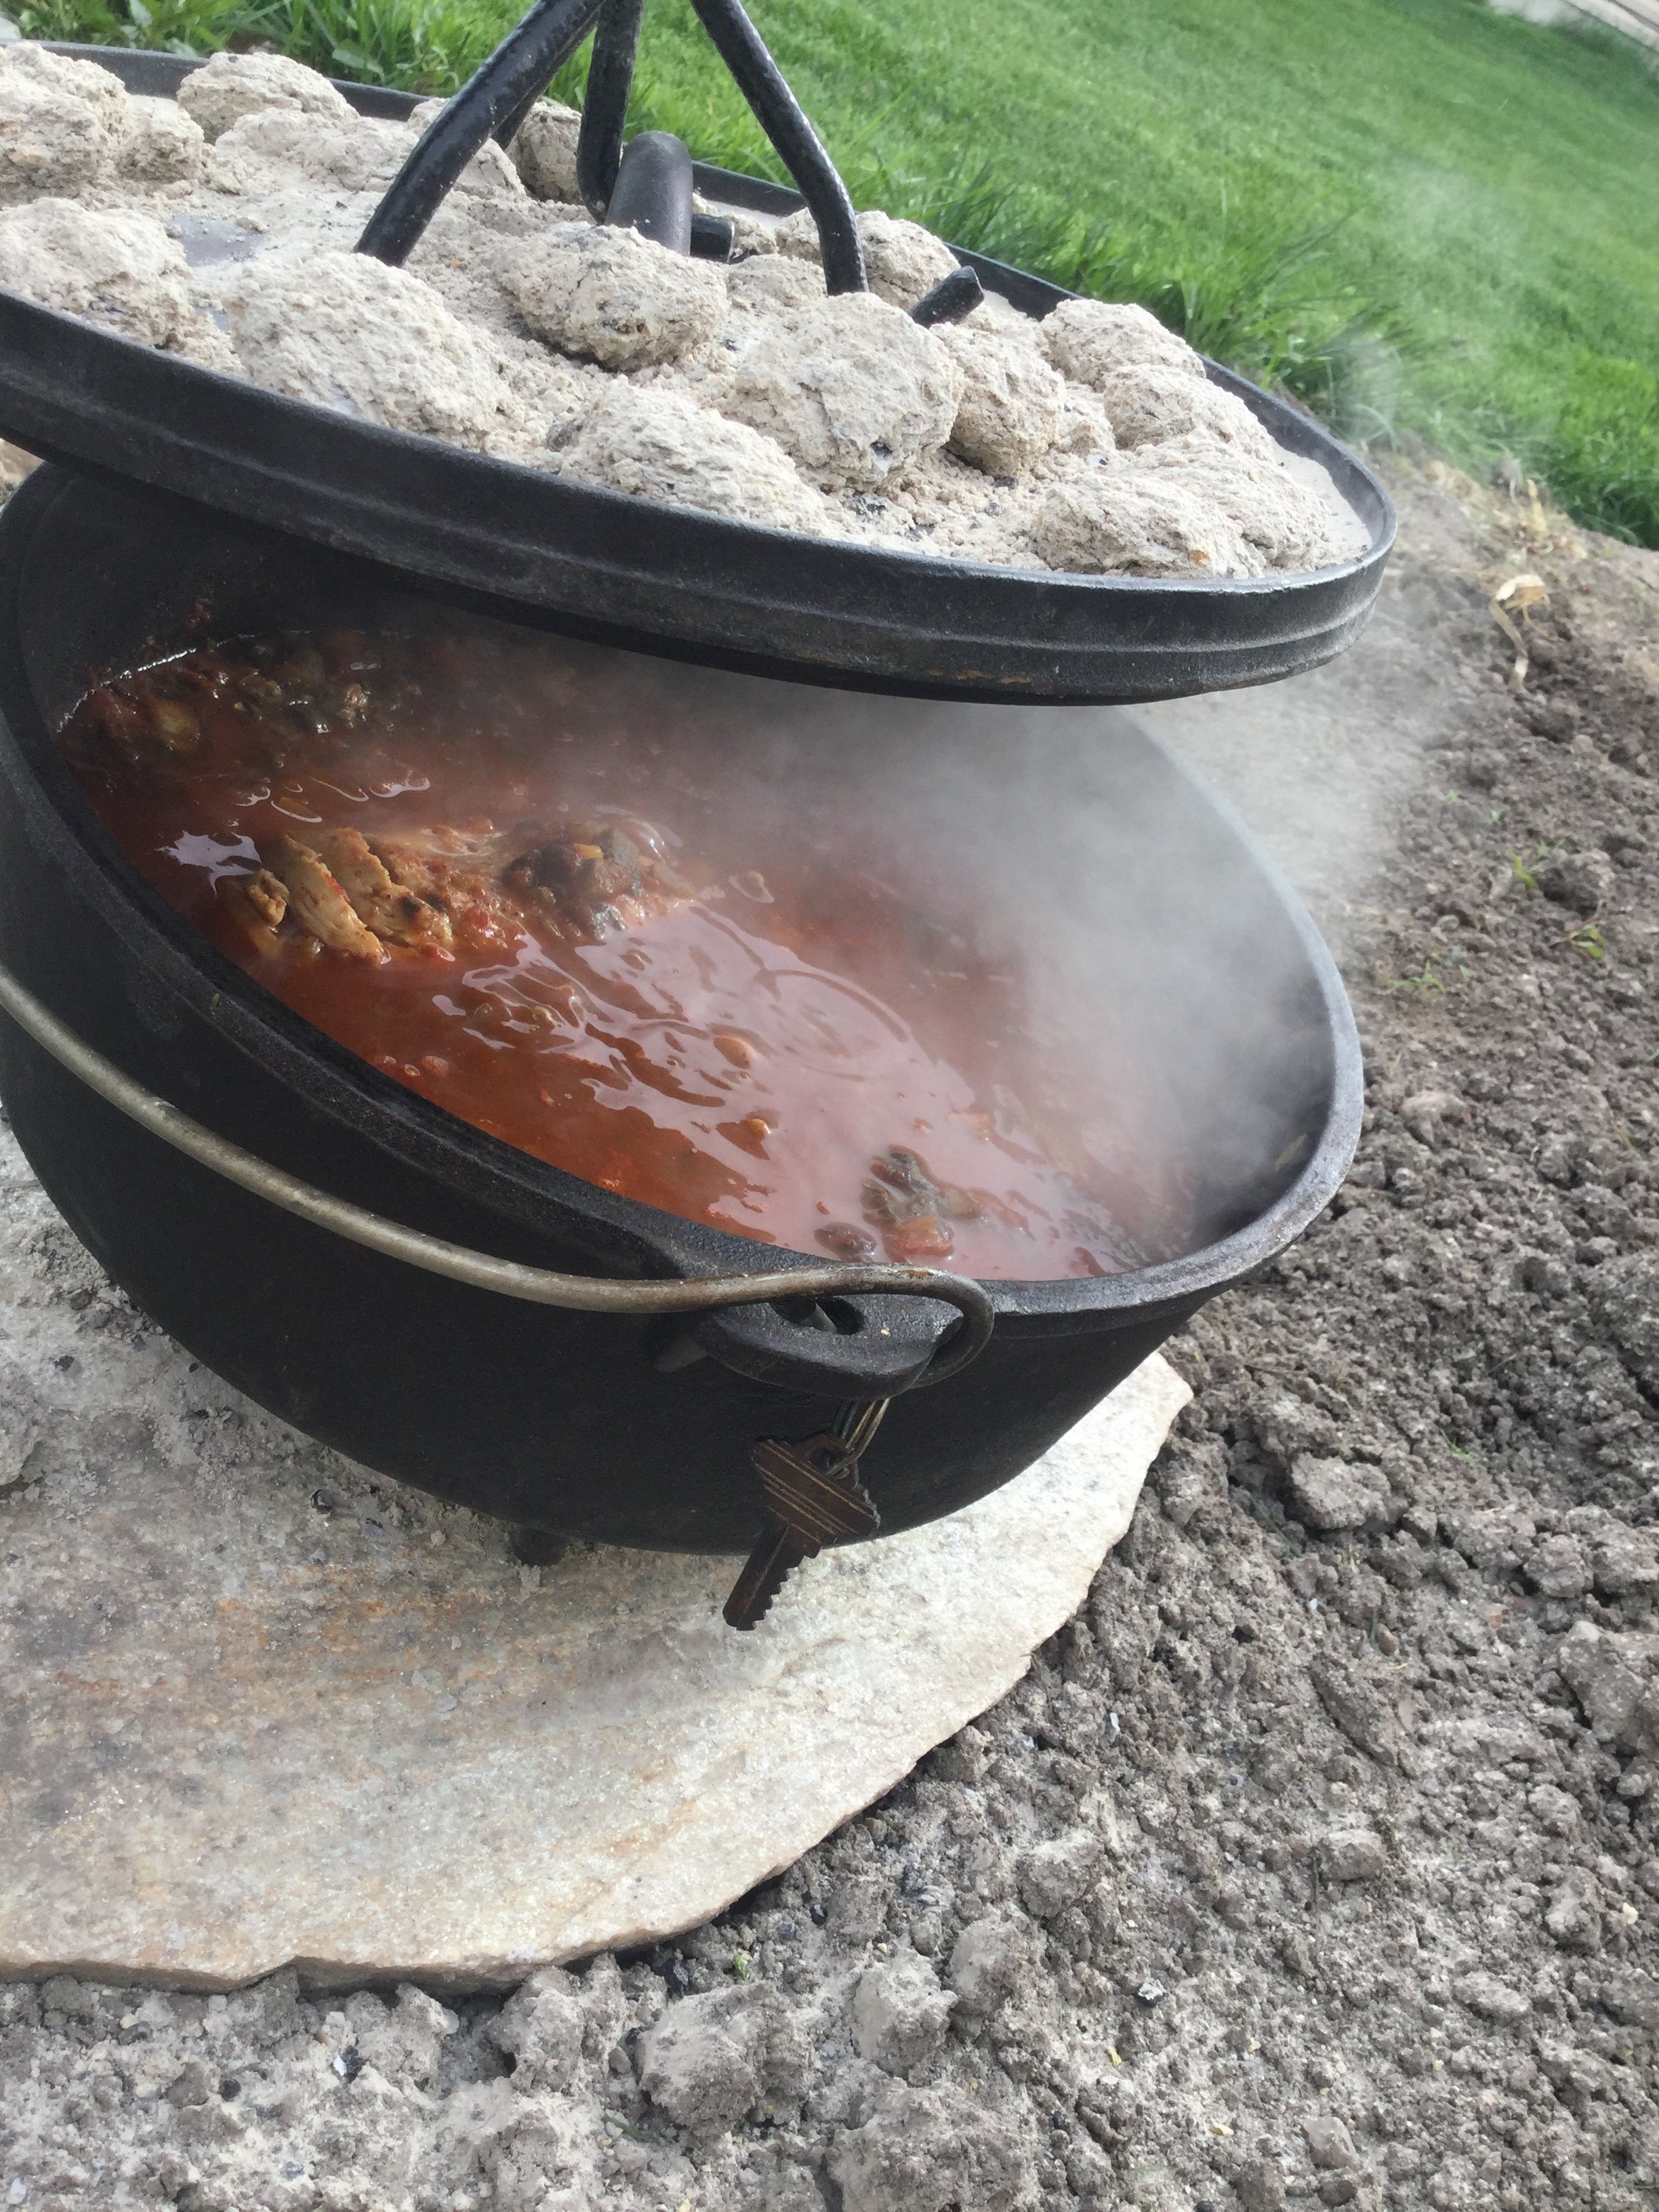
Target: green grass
x=1417 y=215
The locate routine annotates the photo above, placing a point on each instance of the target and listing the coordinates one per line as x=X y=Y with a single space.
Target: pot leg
x=537 y=1547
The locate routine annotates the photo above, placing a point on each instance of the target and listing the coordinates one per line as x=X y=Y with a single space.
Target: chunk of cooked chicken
x=390 y=907
x=459 y=873
x=268 y=896
x=258 y=903
x=318 y=902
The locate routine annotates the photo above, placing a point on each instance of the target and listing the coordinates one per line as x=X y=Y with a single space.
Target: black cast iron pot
x=598 y=1426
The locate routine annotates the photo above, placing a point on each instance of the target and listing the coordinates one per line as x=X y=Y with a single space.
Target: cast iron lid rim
x=1074 y=592
x=420 y=1135
x=110 y=348
x=1047 y=635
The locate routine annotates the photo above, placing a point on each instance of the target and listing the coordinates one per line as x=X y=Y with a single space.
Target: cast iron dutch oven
x=600 y=1427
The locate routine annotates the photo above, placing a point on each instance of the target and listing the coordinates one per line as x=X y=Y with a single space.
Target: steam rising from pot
x=1149 y=960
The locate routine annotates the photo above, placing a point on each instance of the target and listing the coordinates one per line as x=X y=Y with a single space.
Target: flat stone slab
x=260 y=1707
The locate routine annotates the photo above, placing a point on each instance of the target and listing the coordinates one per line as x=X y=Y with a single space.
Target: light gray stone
x=1615 y=1679
x=1626 y=1560
x=1632 y=1996
x=1624 y=1295
x=1055 y=1874
x=1355 y=1855
x=279 y=1710
x=1329 y=2144
x=988 y=1960
x=1490 y=1999
x=1574 y=1916
x=1261 y=2186
x=1557 y=1567
x=1190 y=1476
x=1583 y=881
x=900 y=2013
x=1334 y=1494
x=1569 y=2068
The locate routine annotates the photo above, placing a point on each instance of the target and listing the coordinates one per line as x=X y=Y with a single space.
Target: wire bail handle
x=482 y=1270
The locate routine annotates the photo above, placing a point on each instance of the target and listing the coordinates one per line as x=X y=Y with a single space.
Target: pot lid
x=635 y=572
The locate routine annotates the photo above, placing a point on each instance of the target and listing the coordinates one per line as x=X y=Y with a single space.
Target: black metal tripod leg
x=604 y=105
x=779 y=114
x=518 y=71
x=510 y=125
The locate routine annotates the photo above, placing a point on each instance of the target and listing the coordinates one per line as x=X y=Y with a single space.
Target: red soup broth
x=523 y=897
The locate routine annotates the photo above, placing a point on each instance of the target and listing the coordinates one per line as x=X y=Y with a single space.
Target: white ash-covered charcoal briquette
x=850 y=387
x=275 y=150
x=346 y=332
x=556 y=391
x=1148 y=405
x=544 y=151
x=491 y=169
x=61 y=123
x=615 y=297
x=1012 y=402
x=752 y=235
x=118 y=270
x=230 y=86
x=1289 y=524
x=1108 y=522
x=1084 y=428
x=159 y=144
x=1094 y=339
x=993 y=313
x=772 y=283
x=656 y=443
x=901 y=260
x=471 y=246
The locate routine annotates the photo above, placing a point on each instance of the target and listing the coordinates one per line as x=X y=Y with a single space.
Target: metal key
x=813 y=1493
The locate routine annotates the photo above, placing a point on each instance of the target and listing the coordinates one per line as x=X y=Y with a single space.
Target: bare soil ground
x=1317 y=1859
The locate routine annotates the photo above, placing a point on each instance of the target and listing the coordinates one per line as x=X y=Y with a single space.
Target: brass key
x=813 y=1493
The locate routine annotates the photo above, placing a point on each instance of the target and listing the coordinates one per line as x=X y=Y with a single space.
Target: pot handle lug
x=851 y=1348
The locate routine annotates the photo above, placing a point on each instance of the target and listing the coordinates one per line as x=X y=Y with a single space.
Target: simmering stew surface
x=563 y=921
